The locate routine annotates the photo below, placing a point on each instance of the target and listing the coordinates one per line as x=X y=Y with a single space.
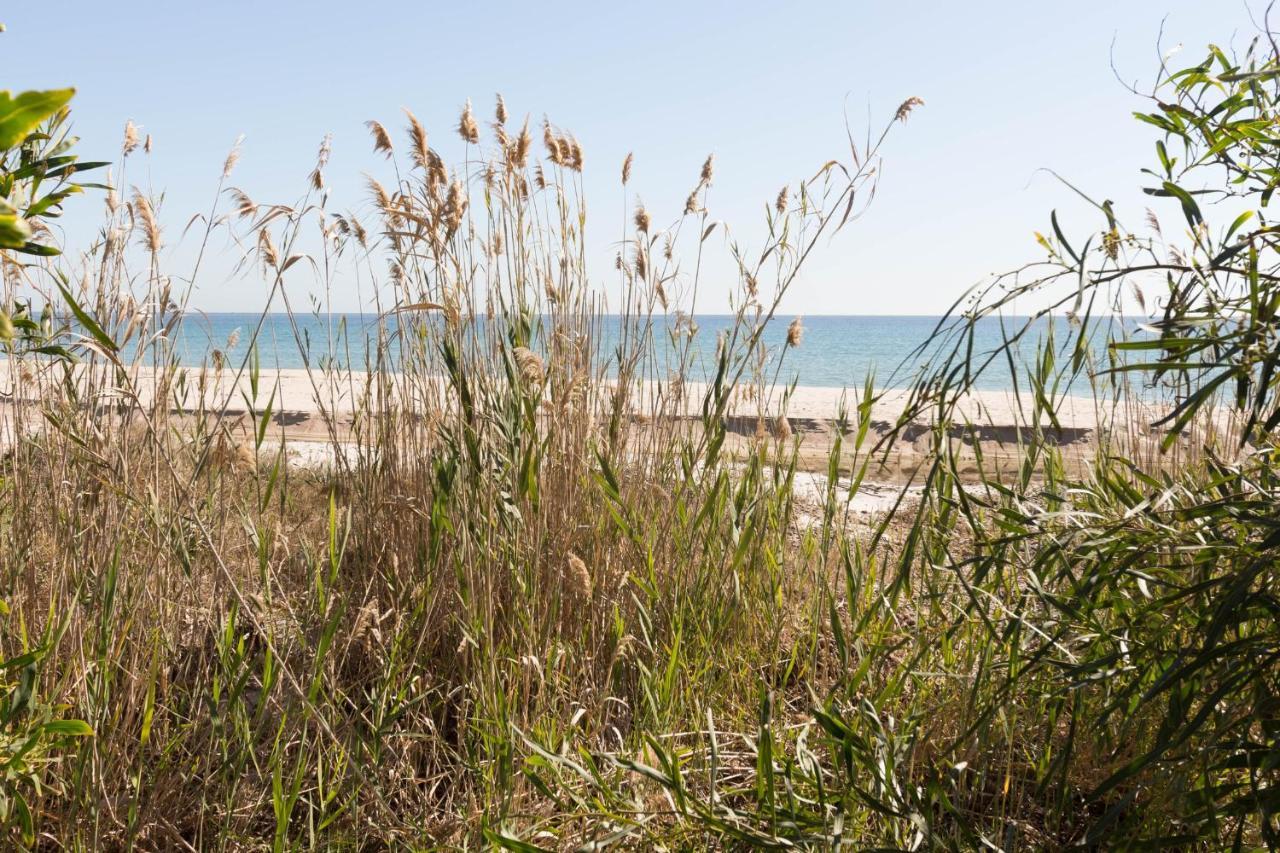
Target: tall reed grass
x=542 y=599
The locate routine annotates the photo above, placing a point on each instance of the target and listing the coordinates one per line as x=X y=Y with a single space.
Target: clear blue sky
x=1010 y=87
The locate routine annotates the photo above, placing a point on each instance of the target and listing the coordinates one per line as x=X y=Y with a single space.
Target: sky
x=1011 y=89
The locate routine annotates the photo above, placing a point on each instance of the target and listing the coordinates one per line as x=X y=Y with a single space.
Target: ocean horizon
x=836 y=351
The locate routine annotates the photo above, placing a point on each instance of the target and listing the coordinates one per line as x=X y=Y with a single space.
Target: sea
x=834 y=351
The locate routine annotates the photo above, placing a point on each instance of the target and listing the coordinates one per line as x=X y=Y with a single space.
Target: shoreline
x=296 y=390
x=315 y=407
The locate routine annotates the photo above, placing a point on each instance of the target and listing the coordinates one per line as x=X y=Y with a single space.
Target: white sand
x=297 y=391
x=313 y=411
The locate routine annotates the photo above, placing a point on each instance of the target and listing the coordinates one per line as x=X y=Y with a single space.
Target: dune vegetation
x=537 y=600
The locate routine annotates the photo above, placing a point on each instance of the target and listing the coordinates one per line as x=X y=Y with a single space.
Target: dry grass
x=534 y=603
x=370 y=654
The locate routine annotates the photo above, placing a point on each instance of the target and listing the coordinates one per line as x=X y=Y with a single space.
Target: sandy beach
x=310 y=410
x=311 y=393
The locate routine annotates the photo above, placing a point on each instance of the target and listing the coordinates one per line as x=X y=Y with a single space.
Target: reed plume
x=555 y=153
x=691 y=205
x=577 y=578
x=904 y=110
x=233 y=157
x=437 y=171
x=267 y=249
x=245 y=207
x=381 y=197
x=519 y=157
x=455 y=207
x=144 y=212
x=381 y=139
x=642 y=219
x=130 y=143
x=574 y=158
x=529 y=366
x=795 y=331
x=467 y=127
x=417 y=141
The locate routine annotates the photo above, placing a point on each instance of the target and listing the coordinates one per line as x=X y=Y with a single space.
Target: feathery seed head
x=245 y=206
x=795 y=331
x=113 y=200
x=130 y=138
x=529 y=365
x=437 y=172
x=233 y=156
x=642 y=219
x=554 y=151
x=780 y=204
x=707 y=168
x=904 y=110
x=574 y=158
x=267 y=249
x=467 y=127
x=322 y=155
x=577 y=578
x=500 y=110
x=381 y=139
x=228 y=454
x=455 y=206
x=417 y=140
x=520 y=152
x=143 y=210
x=1138 y=295
x=626 y=168
x=691 y=205
x=379 y=193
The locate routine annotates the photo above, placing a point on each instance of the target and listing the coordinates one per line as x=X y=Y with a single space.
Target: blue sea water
x=836 y=351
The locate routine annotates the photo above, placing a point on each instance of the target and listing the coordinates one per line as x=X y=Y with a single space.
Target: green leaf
x=14 y=231
x=21 y=115
x=85 y=320
x=26 y=825
x=1189 y=207
x=70 y=728
x=508 y=842
x=30 y=248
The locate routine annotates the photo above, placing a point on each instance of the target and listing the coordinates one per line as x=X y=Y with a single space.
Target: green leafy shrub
x=37 y=174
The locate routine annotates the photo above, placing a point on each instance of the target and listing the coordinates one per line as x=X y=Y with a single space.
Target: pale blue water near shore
x=836 y=351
